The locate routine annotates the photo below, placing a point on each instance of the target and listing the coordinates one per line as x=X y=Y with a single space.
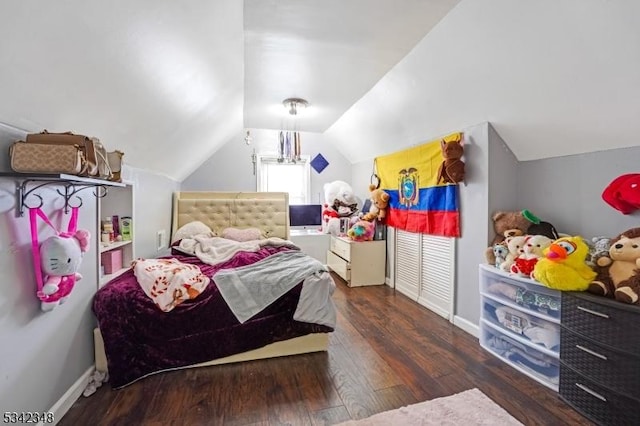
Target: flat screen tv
x=305 y=216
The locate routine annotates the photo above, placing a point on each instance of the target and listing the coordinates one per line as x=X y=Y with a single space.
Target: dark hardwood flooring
x=386 y=352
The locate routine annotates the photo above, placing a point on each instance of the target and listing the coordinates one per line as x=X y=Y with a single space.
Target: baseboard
x=467 y=326
x=65 y=402
x=388 y=282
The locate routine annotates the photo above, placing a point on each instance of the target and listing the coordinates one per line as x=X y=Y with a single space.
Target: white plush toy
x=339 y=202
x=60 y=260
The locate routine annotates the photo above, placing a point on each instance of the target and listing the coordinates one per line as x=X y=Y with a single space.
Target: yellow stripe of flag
x=423 y=160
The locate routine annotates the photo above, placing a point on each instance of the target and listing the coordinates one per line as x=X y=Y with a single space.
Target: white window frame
x=269 y=159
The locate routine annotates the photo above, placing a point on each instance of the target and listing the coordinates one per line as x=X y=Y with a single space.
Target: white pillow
x=190 y=230
x=241 y=235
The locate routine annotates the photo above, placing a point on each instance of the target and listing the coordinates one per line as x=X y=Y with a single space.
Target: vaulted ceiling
x=171 y=82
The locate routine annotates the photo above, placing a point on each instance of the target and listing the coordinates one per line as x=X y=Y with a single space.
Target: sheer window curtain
x=291 y=177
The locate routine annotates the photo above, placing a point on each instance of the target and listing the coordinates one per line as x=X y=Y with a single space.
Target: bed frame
x=268 y=211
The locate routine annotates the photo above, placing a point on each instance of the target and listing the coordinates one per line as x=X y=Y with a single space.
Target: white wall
x=230 y=168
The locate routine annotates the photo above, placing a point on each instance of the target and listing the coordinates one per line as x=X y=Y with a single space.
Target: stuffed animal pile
x=517 y=223
x=604 y=266
x=339 y=202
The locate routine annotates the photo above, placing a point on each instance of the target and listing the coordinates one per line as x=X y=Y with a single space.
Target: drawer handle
x=590 y=392
x=596 y=313
x=590 y=352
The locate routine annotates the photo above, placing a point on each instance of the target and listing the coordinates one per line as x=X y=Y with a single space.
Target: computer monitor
x=305 y=216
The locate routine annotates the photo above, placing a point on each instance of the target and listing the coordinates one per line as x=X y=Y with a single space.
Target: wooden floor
x=386 y=352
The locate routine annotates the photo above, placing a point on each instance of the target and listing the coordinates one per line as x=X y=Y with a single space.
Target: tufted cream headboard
x=268 y=211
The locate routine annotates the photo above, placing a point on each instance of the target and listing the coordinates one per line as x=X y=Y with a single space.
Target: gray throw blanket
x=250 y=289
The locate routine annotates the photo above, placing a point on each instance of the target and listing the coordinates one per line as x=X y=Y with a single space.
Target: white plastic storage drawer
x=535 y=364
x=529 y=328
x=523 y=292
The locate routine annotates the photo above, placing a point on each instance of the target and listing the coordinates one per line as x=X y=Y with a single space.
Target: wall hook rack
x=26 y=185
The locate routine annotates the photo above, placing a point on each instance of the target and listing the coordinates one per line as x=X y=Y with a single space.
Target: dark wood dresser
x=600 y=358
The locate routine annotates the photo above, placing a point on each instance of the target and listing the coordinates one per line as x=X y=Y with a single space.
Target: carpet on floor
x=467 y=408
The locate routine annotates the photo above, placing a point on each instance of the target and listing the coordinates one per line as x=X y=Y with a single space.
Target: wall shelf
x=112 y=246
x=27 y=183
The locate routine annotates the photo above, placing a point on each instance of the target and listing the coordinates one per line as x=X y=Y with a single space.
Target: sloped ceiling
x=170 y=82
x=554 y=77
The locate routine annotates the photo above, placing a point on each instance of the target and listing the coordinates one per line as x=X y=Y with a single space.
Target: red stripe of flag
x=443 y=223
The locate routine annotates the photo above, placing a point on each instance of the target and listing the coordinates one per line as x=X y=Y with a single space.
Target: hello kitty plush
x=60 y=260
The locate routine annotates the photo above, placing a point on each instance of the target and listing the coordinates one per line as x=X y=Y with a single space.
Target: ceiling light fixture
x=293 y=105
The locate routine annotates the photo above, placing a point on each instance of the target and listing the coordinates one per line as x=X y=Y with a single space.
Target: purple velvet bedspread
x=140 y=339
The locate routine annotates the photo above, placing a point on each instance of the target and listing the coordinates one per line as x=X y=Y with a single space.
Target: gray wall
x=43 y=354
x=230 y=168
x=566 y=191
x=152 y=205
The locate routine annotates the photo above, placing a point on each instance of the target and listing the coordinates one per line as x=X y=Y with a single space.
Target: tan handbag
x=46 y=158
x=103 y=169
x=94 y=152
x=115 y=163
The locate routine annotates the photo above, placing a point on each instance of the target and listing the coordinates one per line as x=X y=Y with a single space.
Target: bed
x=136 y=339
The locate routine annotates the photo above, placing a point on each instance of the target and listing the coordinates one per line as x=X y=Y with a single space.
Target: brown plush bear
x=506 y=224
x=379 y=202
x=452 y=168
x=619 y=272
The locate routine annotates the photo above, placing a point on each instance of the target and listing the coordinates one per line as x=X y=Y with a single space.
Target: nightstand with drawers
x=359 y=263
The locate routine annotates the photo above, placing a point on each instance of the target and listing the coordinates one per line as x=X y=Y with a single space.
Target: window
x=294 y=178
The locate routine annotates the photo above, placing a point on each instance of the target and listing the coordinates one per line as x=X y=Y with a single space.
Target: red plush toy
x=623 y=193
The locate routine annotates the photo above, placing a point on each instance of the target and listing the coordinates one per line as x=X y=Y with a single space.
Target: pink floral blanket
x=169 y=282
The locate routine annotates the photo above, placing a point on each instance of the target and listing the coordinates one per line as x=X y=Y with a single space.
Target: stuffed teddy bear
x=362 y=230
x=532 y=250
x=452 y=167
x=506 y=224
x=618 y=273
x=60 y=260
x=515 y=244
x=379 y=203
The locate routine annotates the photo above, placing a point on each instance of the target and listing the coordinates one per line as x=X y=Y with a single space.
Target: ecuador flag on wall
x=417 y=202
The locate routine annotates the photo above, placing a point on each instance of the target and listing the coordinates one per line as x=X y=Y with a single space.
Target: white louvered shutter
x=407 y=263
x=437 y=274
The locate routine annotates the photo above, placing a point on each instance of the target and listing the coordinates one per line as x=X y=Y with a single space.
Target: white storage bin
x=533 y=329
x=520 y=292
x=540 y=366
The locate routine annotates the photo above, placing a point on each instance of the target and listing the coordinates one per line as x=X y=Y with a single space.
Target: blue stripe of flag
x=435 y=198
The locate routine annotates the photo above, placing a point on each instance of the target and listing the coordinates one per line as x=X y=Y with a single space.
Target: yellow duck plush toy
x=563 y=266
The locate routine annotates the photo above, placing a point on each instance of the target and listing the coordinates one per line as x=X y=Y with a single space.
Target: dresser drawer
x=616 y=370
x=341 y=248
x=605 y=321
x=524 y=292
x=339 y=265
x=596 y=402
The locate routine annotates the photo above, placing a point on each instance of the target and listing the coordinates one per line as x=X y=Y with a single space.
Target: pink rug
x=467 y=408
